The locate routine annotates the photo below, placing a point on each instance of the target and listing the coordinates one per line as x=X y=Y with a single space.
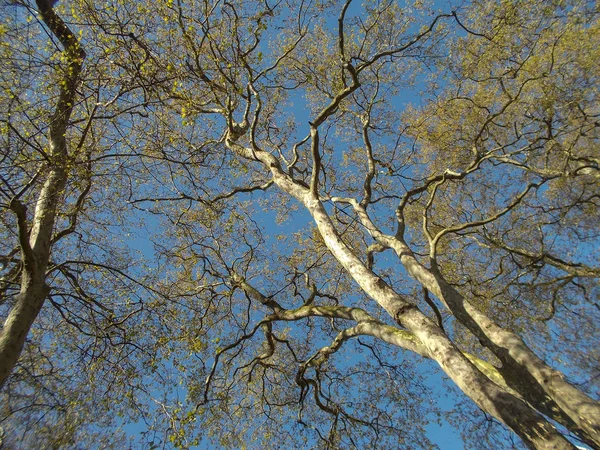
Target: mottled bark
x=543 y=387
x=36 y=241
x=533 y=428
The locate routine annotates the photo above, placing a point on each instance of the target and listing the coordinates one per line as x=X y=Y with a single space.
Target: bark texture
x=531 y=426
x=36 y=240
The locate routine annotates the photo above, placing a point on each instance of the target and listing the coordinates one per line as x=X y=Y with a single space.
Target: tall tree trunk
x=36 y=242
x=542 y=386
x=533 y=428
x=527 y=423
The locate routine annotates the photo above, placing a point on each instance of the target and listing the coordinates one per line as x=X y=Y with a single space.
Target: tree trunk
x=543 y=387
x=36 y=243
x=16 y=327
x=533 y=428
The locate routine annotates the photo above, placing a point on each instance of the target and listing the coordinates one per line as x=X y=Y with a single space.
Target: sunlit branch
x=371 y=250
x=427 y=207
x=291 y=166
x=341 y=46
x=254 y=293
x=481 y=325
x=255 y=117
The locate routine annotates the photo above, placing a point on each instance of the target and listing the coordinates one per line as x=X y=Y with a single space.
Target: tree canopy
x=295 y=224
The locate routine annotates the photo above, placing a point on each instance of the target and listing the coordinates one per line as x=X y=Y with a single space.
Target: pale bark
x=511 y=410
x=366 y=325
x=529 y=425
x=522 y=368
x=545 y=388
x=533 y=428
x=36 y=241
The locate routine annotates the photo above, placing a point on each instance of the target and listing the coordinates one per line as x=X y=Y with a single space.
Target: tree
x=59 y=253
x=339 y=192
x=35 y=235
